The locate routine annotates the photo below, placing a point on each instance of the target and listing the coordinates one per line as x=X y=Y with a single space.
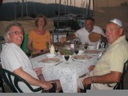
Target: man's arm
x=64 y=39
x=31 y=80
x=104 y=79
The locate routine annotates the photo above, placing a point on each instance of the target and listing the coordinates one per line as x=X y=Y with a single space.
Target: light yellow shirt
x=112 y=60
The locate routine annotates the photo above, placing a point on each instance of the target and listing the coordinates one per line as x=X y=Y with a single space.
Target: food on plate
x=65 y=51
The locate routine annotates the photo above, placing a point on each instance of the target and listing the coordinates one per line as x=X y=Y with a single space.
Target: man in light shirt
x=16 y=61
x=108 y=70
x=83 y=33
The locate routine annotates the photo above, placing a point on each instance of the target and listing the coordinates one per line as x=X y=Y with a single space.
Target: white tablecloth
x=66 y=73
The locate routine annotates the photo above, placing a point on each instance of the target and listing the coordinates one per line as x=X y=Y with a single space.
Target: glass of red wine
x=86 y=45
x=56 y=50
x=76 y=51
x=66 y=58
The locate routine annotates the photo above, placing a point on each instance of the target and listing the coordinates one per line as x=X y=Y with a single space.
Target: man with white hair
x=108 y=70
x=16 y=61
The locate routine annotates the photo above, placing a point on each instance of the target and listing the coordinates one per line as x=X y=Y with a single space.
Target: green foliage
x=65 y=51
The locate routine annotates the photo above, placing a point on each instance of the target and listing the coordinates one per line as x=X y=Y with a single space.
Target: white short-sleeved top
x=83 y=34
x=12 y=57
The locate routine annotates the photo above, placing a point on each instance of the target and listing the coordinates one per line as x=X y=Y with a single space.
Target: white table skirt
x=66 y=73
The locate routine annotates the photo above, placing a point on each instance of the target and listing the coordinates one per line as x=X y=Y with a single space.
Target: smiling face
x=113 y=32
x=41 y=22
x=15 y=35
x=89 y=25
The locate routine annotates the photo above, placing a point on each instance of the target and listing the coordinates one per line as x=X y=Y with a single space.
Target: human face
x=89 y=25
x=15 y=35
x=113 y=32
x=41 y=22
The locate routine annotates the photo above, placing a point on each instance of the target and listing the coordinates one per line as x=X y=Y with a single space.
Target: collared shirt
x=113 y=59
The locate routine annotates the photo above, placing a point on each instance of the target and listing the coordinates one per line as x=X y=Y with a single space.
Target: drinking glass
x=66 y=58
x=76 y=51
x=86 y=45
x=56 y=50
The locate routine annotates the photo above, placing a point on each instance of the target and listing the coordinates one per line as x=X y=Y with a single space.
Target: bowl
x=91 y=47
x=50 y=55
x=81 y=52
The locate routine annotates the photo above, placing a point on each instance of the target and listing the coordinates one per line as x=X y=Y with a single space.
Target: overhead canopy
x=1 y=2
x=27 y=24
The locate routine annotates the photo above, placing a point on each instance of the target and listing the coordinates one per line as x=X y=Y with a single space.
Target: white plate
x=81 y=57
x=50 y=55
x=50 y=60
x=92 y=51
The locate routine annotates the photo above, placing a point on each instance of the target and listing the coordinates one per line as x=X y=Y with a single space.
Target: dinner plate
x=81 y=57
x=92 y=51
x=50 y=55
x=50 y=60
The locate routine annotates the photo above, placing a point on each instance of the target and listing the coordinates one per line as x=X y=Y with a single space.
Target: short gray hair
x=7 y=29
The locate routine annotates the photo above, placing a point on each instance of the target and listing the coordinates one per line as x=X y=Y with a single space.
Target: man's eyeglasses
x=16 y=32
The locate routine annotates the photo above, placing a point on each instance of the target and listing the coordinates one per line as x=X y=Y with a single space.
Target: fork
x=58 y=63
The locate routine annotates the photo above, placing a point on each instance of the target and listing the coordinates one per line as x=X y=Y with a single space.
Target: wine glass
x=56 y=50
x=76 y=51
x=86 y=45
x=66 y=58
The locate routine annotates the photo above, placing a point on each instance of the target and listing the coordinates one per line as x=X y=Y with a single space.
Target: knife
x=58 y=63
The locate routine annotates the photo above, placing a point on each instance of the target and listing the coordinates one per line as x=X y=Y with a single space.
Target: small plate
x=50 y=60
x=50 y=55
x=80 y=52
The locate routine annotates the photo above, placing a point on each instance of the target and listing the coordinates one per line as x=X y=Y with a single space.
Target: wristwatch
x=92 y=79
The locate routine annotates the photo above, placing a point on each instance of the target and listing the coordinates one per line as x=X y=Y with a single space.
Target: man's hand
x=91 y=67
x=63 y=40
x=38 y=70
x=87 y=81
x=46 y=85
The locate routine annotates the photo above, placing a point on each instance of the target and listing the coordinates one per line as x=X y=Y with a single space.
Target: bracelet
x=92 y=79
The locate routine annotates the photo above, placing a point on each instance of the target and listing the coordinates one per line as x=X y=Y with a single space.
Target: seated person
x=39 y=39
x=84 y=32
x=16 y=61
x=108 y=70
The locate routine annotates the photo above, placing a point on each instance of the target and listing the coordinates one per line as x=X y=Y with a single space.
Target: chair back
x=24 y=43
x=120 y=85
x=13 y=83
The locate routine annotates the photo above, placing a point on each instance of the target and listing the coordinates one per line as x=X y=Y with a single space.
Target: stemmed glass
x=66 y=56
x=86 y=45
x=56 y=50
x=76 y=51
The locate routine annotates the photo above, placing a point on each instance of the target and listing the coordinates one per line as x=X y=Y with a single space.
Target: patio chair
x=120 y=84
x=1 y=83
x=13 y=84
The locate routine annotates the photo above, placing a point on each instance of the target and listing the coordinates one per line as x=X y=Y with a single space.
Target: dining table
x=66 y=71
